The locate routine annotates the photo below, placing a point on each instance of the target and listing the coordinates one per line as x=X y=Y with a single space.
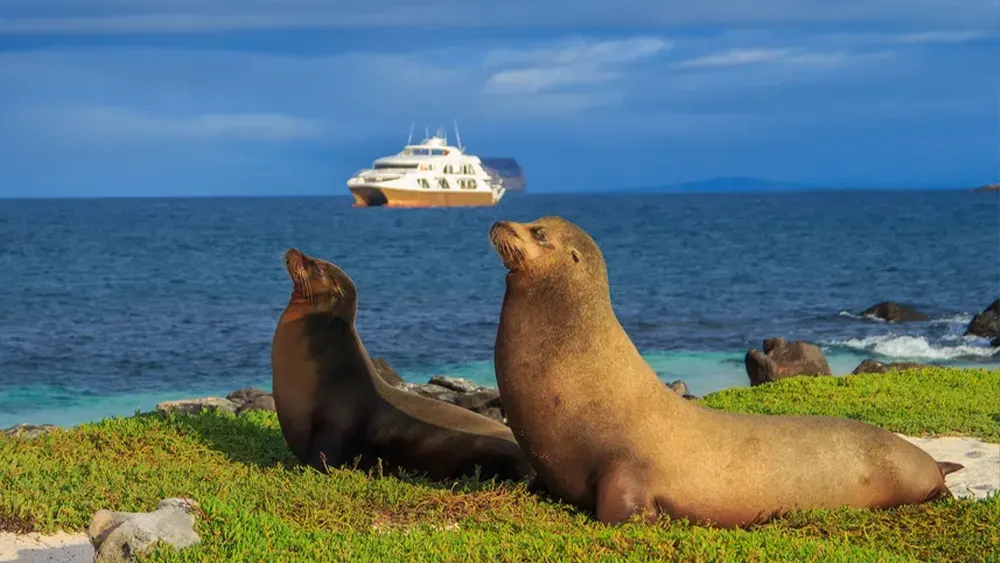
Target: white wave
x=956 y=319
x=913 y=348
x=851 y=315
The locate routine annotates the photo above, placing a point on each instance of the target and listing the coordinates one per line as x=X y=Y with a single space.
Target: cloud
x=576 y=63
x=939 y=37
x=184 y=16
x=740 y=57
x=122 y=124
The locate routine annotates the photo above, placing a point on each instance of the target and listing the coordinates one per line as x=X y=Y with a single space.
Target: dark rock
x=243 y=396
x=691 y=397
x=388 y=374
x=987 y=323
x=679 y=387
x=27 y=431
x=894 y=312
x=996 y=342
x=122 y=536
x=454 y=383
x=260 y=403
x=872 y=365
x=782 y=359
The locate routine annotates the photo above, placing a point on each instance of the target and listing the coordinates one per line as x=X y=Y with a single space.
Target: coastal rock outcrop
x=195 y=406
x=894 y=312
x=122 y=536
x=987 y=323
x=872 y=365
x=461 y=392
x=27 y=431
x=251 y=399
x=782 y=359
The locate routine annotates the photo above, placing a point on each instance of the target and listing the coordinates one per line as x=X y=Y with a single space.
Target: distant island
x=751 y=184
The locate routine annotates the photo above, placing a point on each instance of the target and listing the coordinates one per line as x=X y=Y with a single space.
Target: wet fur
x=335 y=410
x=604 y=433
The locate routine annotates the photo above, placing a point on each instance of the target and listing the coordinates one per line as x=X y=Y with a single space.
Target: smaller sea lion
x=335 y=408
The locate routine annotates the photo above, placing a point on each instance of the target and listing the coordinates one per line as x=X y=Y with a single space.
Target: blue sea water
x=109 y=306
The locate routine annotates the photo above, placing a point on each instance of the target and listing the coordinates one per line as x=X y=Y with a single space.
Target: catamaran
x=432 y=173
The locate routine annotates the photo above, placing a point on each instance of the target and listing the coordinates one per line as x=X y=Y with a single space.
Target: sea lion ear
x=576 y=255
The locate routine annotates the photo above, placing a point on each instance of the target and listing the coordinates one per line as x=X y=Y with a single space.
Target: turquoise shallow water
x=111 y=306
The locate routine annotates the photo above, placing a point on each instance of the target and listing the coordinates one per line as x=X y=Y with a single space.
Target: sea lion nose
x=502 y=227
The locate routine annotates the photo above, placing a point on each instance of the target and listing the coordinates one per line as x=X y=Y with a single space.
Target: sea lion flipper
x=947 y=467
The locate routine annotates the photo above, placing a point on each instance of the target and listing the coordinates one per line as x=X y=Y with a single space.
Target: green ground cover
x=257 y=504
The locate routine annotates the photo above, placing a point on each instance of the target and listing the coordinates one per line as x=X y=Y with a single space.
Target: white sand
x=979 y=478
x=981 y=474
x=35 y=548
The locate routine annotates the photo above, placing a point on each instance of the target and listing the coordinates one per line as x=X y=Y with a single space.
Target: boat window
x=472 y=183
x=443 y=183
x=422 y=182
x=448 y=169
x=437 y=152
x=387 y=165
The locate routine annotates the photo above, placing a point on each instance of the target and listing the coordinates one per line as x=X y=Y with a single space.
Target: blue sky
x=211 y=97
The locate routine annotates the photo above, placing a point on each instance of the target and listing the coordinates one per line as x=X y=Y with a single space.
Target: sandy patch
x=981 y=474
x=35 y=548
x=979 y=478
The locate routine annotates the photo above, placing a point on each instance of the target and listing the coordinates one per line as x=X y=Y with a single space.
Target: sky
x=260 y=97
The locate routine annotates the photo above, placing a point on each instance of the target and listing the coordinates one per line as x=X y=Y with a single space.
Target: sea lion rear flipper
x=947 y=467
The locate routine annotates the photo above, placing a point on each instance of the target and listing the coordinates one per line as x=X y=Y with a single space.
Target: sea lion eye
x=539 y=234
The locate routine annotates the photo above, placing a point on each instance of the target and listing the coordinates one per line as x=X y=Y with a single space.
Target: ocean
x=112 y=305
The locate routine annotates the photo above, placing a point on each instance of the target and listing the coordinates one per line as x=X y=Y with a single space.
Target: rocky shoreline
x=780 y=359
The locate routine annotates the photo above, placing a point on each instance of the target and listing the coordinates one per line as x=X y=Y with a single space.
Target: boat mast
x=409 y=140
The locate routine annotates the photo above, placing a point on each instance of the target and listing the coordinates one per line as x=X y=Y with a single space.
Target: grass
x=259 y=505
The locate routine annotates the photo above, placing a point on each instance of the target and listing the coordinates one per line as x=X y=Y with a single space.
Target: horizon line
x=641 y=191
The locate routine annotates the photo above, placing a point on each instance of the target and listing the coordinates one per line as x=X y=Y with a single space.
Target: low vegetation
x=259 y=505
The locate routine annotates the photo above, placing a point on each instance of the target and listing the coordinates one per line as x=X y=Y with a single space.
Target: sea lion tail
x=947 y=467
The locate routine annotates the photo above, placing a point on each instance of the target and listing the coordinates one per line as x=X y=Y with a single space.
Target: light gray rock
x=27 y=431
x=195 y=406
x=260 y=403
x=120 y=537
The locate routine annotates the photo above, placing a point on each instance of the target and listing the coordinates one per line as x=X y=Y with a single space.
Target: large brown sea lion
x=603 y=433
x=334 y=407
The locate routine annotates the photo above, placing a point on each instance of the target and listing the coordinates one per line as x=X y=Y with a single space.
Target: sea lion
x=334 y=407
x=604 y=433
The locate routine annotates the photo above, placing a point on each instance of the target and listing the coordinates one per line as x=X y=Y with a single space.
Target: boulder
x=388 y=374
x=987 y=323
x=260 y=403
x=678 y=387
x=782 y=359
x=27 y=431
x=894 y=312
x=251 y=399
x=246 y=395
x=872 y=365
x=195 y=406
x=122 y=536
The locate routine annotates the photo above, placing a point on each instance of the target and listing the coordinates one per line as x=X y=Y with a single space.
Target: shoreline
x=704 y=372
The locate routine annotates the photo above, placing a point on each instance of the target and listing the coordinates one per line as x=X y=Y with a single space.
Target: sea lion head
x=548 y=247
x=321 y=285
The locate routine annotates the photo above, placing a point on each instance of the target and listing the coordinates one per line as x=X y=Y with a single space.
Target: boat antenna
x=458 y=138
x=409 y=140
x=427 y=132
